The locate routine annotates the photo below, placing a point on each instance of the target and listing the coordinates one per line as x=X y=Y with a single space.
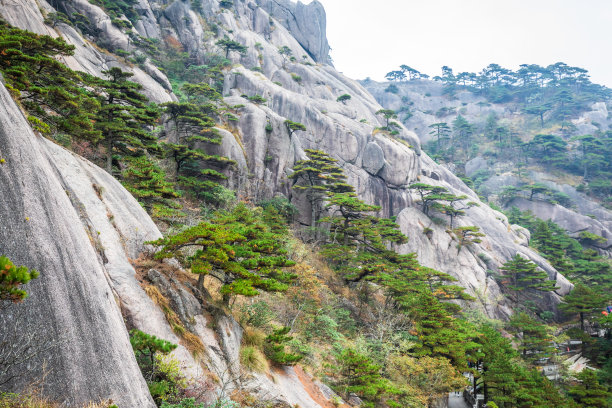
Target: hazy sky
x=373 y=37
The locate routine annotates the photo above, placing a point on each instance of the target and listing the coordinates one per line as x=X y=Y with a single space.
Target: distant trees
x=405 y=72
x=440 y=130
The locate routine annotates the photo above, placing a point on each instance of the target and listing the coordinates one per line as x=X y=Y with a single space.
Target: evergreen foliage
x=54 y=96
x=148 y=184
x=356 y=374
x=196 y=171
x=343 y=98
x=11 y=280
x=123 y=116
x=566 y=254
x=535 y=342
x=274 y=347
x=237 y=248
x=588 y=393
x=583 y=301
x=522 y=274
x=292 y=127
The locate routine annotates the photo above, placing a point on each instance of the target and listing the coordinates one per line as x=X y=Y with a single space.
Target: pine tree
x=429 y=194
x=536 y=343
x=55 y=97
x=274 y=348
x=237 y=248
x=589 y=393
x=318 y=176
x=196 y=171
x=523 y=274
x=148 y=184
x=230 y=45
x=582 y=300
x=467 y=236
x=123 y=116
x=357 y=374
x=11 y=280
x=292 y=127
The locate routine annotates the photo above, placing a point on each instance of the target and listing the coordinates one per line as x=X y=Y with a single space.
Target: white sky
x=373 y=37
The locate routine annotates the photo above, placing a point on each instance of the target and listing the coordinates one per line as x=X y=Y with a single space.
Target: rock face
x=72 y=307
x=306 y=22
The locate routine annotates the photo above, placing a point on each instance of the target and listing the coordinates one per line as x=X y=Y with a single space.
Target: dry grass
x=189 y=340
x=252 y=359
x=253 y=337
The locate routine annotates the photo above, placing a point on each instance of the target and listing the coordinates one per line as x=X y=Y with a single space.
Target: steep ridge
x=96 y=273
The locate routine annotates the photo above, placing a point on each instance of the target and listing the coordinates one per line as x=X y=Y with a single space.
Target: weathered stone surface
x=475 y=165
x=72 y=302
x=373 y=158
x=306 y=22
x=567 y=219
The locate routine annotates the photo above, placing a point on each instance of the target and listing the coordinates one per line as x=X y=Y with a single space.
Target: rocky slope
x=429 y=104
x=80 y=228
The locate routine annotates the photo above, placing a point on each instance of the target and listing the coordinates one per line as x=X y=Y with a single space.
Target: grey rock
x=72 y=303
x=306 y=22
x=373 y=158
x=475 y=165
x=567 y=219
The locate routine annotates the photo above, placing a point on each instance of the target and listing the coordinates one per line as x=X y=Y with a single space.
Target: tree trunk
x=582 y=321
x=346 y=225
x=109 y=156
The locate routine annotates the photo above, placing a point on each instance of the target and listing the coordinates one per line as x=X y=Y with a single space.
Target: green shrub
x=282 y=205
x=325 y=328
x=258 y=99
x=343 y=98
x=296 y=78
x=274 y=347
x=258 y=314
x=11 y=279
